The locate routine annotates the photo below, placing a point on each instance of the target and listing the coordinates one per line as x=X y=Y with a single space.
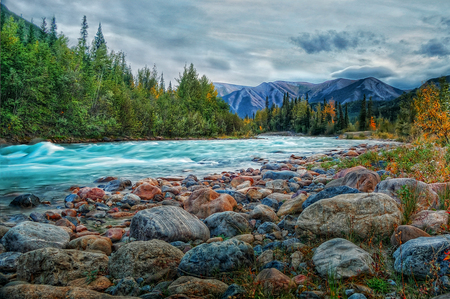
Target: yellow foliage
x=372 y=124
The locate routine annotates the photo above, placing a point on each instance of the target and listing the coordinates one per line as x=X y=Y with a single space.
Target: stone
x=265 y=257
x=65 y=222
x=357 y=296
x=117 y=185
x=115 y=234
x=147 y=191
x=92 y=243
x=342 y=258
x=3 y=230
x=167 y=223
x=192 y=286
x=263 y=213
x=234 y=291
x=36 y=291
x=227 y=224
x=92 y=193
x=288 y=223
x=280 y=197
x=26 y=201
x=292 y=206
x=280 y=175
x=247 y=238
x=151 y=260
x=270 y=202
x=255 y=194
x=296 y=259
x=131 y=199
x=267 y=228
x=28 y=236
x=211 y=259
x=241 y=179
x=126 y=286
x=328 y=193
x=362 y=179
x=427 y=198
x=205 y=202
x=100 y=284
x=431 y=221
x=278 y=186
x=150 y=181
x=246 y=184
x=273 y=281
x=364 y=214
x=8 y=261
x=416 y=256
x=334 y=183
x=404 y=233
x=344 y=172
x=57 y=267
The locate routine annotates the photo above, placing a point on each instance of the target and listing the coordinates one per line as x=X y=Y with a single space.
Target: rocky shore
x=291 y=229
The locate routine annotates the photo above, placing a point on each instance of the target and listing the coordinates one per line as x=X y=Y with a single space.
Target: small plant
x=409 y=197
x=333 y=285
x=379 y=285
x=91 y=276
x=444 y=198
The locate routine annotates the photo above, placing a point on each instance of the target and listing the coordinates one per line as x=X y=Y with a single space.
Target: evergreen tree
x=162 y=85
x=82 y=41
x=341 y=120
x=369 y=111
x=363 y=115
x=346 y=120
x=99 y=40
x=43 y=32
x=21 y=31
x=31 y=34
x=53 y=35
x=2 y=18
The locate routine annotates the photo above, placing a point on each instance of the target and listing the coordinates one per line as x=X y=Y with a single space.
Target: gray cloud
x=219 y=64
x=364 y=72
x=435 y=48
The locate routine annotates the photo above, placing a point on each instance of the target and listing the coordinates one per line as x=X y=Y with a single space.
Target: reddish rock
x=50 y=215
x=115 y=234
x=92 y=193
x=91 y=243
x=79 y=204
x=205 y=202
x=273 y=281
x=80 y=228
x=87 y=233
x=343 y=172
x=99 y=284
x=404 y=233
x=105 y=179
x=149 y=181
x=214 y=177
x=146 y=191
x=431 y=221
x=66 y=223
x=300 y=279
x=121 y=214
x=362 y=179
x=241 y=179
x=69 y=212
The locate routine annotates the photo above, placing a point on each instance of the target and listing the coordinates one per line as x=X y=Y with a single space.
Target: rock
x=334 y=183
x=363 y=214
x=279 y=196
x=267 y=228
x=65 y=222
x=126 y=286
x=151 y=260
x=357 y=296
x=280 y=175
x=328 y=193
x=234 y=291
x=205 y=202
x=416 y=256
x=431 y=221
x=211 y=259
x=278 y=186
x=192 y=286
x=404 y=233
x=92 y=193
x=100 y=284
x=241 y=179
x=228 y=224
x=265 y=257
x=150 y=181
x=167 y=223
x=428 y=198
x=114 y=234
x=344 y=172
x=273 y=281
x=117 y=185
x=238 y=196
x=26 y=201
x=35 y=291
x=3 y=281
x=3 y=230
x=362 y=179
x=146 y=191
x=8 y=261
x=246 y=184
x=288 y=223
x=270 y=202
x=247 y=238
x=28 y=236
x=342 y=258
x=292 y=206
x=55 y=266
x=255 y=194
x=263 y=213
x=131 y=199
x=296 y=259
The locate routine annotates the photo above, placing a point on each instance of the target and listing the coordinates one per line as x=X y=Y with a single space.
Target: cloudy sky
x=402 y=43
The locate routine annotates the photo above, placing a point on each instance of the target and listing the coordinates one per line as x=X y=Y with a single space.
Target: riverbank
x=308 y=226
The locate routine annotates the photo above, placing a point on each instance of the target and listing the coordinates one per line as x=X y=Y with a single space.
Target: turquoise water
x=48 y=169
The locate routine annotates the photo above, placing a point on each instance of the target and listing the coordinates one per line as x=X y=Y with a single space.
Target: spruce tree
x=21 y=31
x=341 y=119
x=363 y=115
x=43 y=31
x=53 y=35
x=369 y=111
x=99 y=39
x=31 y=34
x=346 y=120
x=269 y=113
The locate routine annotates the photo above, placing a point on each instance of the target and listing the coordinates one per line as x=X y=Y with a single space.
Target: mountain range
x=246 y=100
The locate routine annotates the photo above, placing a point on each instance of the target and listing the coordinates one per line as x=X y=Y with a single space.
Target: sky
x=402 y=43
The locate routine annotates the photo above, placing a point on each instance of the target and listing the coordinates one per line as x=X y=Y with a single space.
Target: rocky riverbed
x=288 y=229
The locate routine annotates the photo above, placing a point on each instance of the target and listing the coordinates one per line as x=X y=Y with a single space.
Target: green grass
x=409 y=197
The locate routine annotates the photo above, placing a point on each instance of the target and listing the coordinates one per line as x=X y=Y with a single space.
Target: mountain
x=247 y=100
x=6 y=13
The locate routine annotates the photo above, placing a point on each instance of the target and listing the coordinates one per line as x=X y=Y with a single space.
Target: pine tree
x=21 y=31
x=369 y=110
x=53 y=35
x=99 y=40
x=269 y=113
x=341 y=119
x=346 y=120
x=363 y=115
x=162 y=86
x=82 y=41
x=31 y=34
x=43 y=32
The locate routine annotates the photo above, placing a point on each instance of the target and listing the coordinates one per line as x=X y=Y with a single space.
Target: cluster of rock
x=175 y=237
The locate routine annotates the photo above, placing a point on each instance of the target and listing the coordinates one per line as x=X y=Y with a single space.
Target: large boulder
x=342 y=258
x=58 y=266
x=431 y=221
x=91 y=243
x=362 y=179
x=192 y=286
x=404 y=233
x=36 y=291
x=427 y=198
x=328 y=193
x=205 y=202
x=28 y=236
x=167 y=223
x=418 y=256
x=228 y=224
x=26 y=201
x=363 y=214
x=213 y=258
x=280 y=175
x=151 y=260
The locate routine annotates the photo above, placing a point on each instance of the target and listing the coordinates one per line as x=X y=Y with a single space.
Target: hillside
x=6 y=13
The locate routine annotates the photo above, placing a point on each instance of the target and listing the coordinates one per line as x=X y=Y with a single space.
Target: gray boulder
x=213 y=258
x=26 y=201
x=280 y=175
x=9 y=260
x=167 y=223
x=342 y=258
x=28 y=236
x=416 y=256
x=328 y=193
x=228 y=223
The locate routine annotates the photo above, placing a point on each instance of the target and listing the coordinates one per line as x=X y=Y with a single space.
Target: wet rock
x=404 y=233
x=92 y=193
x=263 y=213
x=151 y=260
x=211 y=259
x=273 y=281
x=228 y=224
x=364 y=214
x=167 y=223
x=8 y=261
x=26 y=201
x=342 y=258
x=117 y=185
x=66 y=223
x=280 y=175
x=147 y=191
x=28 y=236
x=430 y=221
x=57 y=266
x=205 y=202
x=328 y=193
x=192 y=286
x=91 y=243
x=131 y=199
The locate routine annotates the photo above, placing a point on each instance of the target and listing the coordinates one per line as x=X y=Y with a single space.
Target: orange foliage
x=372 y=124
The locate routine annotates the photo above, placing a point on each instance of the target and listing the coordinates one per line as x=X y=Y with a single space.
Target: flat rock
x=28 y=236
x=280 y=175
x=292 y=206
x=192 y=286
x=228 y=224
x=342 y=258
x=167 y=223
